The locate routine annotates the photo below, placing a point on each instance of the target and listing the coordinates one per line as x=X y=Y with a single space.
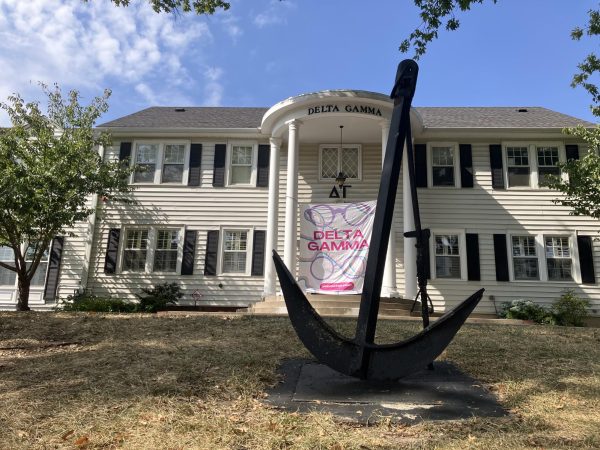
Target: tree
x=49 y=168
x=168 y=6
x=581 y=189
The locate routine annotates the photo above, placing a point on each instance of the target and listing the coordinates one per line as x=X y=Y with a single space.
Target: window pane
x=167 y=240
x=7 y=277
x=236 y=240
x=524 y=246
x=446 y=244
x=39 y=278
x=447 y=266
x=234 y=262
x=557 y=247
x=559 y=269
x=350 y=162
x=241 y=155
x=526 y=268
x=144 y=173
x=134 y=256
x=241 y=174
x=442 y=156
x=172 y=173
x=174 y=154
x=518 y=176
x=442 y=176
x=165 y=261
x=543 y=173
x=329 y=162
x=547 y=156
x=517 y=156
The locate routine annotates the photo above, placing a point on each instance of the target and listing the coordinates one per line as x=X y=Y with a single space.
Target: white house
x=222 y=188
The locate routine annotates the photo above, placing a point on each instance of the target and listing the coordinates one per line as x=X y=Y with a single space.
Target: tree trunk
x=23 y=303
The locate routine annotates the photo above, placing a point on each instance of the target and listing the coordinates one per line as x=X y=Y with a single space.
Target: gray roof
x=190 y=117
x=433 y=117
x=496 y=117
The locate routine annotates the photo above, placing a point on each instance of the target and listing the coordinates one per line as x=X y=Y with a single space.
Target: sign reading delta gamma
x=334 y=244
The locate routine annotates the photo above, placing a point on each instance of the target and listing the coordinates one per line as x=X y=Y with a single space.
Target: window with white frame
x=442 y=165
x=135 y=252
x=173 y=163
x=558 y=258
x=242 y=164
x=547 y=163
x=166 y=252
x=145 y=161
x=447 y=256
x=517 y=166
x=39 y=277
x=525 y=258
x=7 y=277
x=235 y=251
x=335 y=160
x=160 y=162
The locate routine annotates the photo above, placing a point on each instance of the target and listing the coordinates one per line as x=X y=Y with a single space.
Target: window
x=7 y=277
x=167 y=249
x=242 y=161
x=547 y=160
x=558 y=258
x=161 y=162
x=447 y=256
x=517 y=159
x=173 y=163
x=235 y=250
x=39 y=278
x=145 y=160
x=525 y=259
x=442 y=166
x=136 y=250
x=346 y=160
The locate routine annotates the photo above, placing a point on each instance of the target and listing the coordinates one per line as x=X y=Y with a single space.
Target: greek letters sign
x=334 y=244
x=361 y=109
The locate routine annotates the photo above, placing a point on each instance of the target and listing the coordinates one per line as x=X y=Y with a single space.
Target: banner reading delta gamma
x=334 y=244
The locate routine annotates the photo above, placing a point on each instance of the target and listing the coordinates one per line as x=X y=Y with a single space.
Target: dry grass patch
x=71 y=380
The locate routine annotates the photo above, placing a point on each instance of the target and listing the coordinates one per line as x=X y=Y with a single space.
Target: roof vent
x=179 y=109
x=522 y=110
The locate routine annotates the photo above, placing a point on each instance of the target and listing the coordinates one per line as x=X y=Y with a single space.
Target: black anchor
x=361 y=357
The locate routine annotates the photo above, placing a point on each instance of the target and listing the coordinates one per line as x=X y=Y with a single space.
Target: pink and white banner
x=334 y=244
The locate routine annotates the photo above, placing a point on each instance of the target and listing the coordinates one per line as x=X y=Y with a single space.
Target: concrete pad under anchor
x=444 y=393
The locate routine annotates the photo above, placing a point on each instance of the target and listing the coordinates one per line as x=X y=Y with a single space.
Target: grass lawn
x=171 y=382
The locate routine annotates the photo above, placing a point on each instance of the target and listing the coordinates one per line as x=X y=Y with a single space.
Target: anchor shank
x=400 y=123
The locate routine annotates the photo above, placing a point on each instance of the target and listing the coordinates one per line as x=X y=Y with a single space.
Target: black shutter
x=195 y=163
x=112 y=248
x=497 y=166
x=53 y=269
x=572 y=152
x=501 y=257
x=586 y=259
x=466 y=166
x=262 y=166
x=473 y=257
x=212 y=250
x=258 y=253
x=189 y=248
x=219 y=165
x=125 y=151
x=420 y=165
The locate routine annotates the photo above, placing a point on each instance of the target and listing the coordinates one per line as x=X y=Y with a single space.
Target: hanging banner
x=334 y=244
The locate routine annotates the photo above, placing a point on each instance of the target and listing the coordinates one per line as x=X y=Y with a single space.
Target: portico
x=306 y=130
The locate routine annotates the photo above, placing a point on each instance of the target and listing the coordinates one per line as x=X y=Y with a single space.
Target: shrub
x=157 y=298
x=92 y=303
x=570 y=310
x=526 y=310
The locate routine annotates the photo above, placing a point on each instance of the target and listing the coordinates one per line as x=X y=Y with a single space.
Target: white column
x=291 y=198
x=388 y=287
x=272 y=215
x=410 y=252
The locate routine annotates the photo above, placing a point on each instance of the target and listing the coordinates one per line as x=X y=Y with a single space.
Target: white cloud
x=213 y=88
x=93 y=45
x=275 y=14
x=231 y=26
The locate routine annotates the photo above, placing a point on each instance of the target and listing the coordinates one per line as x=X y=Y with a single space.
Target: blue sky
x=515 y=53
